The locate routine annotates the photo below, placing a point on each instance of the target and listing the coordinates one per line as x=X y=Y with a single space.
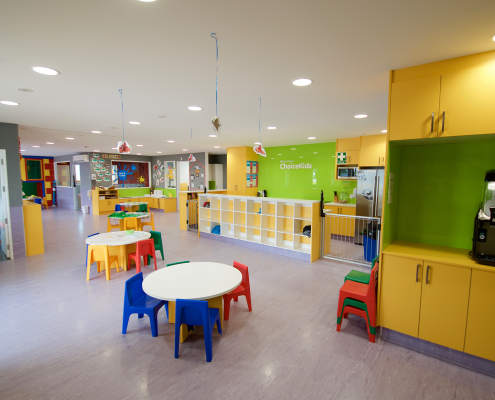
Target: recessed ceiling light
x=138 y=154
x=213 y=135
x=96 y=150
x=311 y=138
x=384 y=131
x=25 y=90
x=95 y=132
x=216 y=147
x=134 y=123
x=194 y=108
x=23 y=150
x=114 y=148
x=493 y=38
x=302 y=82
x=184 y=149
x=257 y=143
x=361 y=116
x=146 y=1
x=271 y=127
x=159 y=152
x=139 y=145
x=69 y=138
x=9 y=103
x=45 y=71
x=170 y=141
x=50 y=143
x=35 y=146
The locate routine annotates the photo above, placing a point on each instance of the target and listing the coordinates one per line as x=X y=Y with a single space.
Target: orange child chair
x=151 y=223
x=143 y=249
x=242 y=290
x=99 y=253
x=363 y=293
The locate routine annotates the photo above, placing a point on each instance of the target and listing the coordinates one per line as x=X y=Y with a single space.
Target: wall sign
x=342 y=157
x=295 y=166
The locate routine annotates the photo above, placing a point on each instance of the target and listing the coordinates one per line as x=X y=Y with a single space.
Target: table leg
x=123 y=256
x=121 y=224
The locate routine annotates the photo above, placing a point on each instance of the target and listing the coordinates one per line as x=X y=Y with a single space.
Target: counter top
x=256 y=198
x=202 y=191
x=146 y=197
x=340 y=204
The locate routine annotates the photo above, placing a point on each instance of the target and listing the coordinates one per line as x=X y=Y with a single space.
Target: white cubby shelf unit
x=267 y=221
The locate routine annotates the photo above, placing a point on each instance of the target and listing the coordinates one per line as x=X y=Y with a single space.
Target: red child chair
x=363 y=293
x=242 y=290
x=143 y=249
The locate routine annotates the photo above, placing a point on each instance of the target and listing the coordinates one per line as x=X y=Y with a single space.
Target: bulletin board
x=196 y=176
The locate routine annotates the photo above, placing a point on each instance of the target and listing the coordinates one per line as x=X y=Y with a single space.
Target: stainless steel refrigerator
x=370 y=185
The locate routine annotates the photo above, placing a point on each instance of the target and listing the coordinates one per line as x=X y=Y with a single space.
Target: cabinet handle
x=350 y=160
x=427 y=273
x=383 y=160
x=379 y=160
x=443 y=122
x=432 y=119
x=417 y=273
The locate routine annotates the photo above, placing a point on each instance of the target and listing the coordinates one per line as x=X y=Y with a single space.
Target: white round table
x=192 y=281
x=119 y=242
x=132 y=203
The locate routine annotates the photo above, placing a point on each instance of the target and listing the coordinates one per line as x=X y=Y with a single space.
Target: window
x=34 y=170
x=63 y=174
x=77 y=173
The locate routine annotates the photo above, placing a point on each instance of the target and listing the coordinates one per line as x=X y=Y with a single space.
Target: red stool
x=242 y=290
x=361 y=292
x=143 y=249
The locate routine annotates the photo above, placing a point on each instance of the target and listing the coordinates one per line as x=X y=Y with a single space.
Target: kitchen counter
x=340 y=204
x=147 y=197
x=202 y=191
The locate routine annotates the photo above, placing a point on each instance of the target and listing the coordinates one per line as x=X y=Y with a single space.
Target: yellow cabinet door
x=372 y=153
x=412 y=104
x=348 y=144
x=444 y=304
x=468 y=102
x=352 y=157
x=481 y=316
x=400 y=299
x=105 y=205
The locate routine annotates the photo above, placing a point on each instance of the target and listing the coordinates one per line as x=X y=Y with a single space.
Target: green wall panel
x=133 y=192
x=440 y=191
x=301 y=183
x=30 y=188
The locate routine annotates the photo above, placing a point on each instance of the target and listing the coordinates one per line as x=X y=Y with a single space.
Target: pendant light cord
x=259 y=125
x=122 y=97
x=213 y=35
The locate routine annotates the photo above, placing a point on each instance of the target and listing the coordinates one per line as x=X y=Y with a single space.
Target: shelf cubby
x=268 y=208
x=302 y=243
x=239 y=205
x=268 y=222
x=204 y=213
x=227 y=230
x=253 y=235
x=204 y=226
x=253 y=206
x=301 y=211
x=215 y=215
x=285 y=225
x=240 y=218
x=239 y=232
x=268 y=237
x=299 y=224
x=227 y=216
x=254 y=220
x=285 y=241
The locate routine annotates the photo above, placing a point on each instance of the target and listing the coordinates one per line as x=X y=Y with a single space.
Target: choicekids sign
x=292 y=165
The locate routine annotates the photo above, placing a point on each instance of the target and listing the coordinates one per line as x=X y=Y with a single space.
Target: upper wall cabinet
x=467 y=102
x=372 y=152
x=351 y=147
x=458 y=103
x=414 y=109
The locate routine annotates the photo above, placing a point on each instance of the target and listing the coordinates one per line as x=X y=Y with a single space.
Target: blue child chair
x=117 y=207
x=138 y=302
x=196 y=312
x=37 y=201
x=87 y=248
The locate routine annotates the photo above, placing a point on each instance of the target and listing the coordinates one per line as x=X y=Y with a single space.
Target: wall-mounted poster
x=169 y=172
x=131 y=172
x=251 y=180
x=251 y=167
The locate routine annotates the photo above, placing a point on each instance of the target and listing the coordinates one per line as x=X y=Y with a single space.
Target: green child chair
x=157 y=238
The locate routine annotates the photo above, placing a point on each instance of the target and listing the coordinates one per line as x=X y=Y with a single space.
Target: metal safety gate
x=192 y=215
x=350 y=238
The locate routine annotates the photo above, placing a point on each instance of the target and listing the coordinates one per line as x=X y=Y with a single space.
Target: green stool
x=157 y=238
x=361 y=306
x=180 y=262
x=360 y=277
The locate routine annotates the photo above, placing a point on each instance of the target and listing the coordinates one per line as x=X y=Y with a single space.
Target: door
x=444 y=304
x=481 y=316
x=182 y=167
x=232 y=160
x=400 y=299
x=414 y=108
x=365 y=199
x=5 y=230
x=468 y=102
x=372 y=152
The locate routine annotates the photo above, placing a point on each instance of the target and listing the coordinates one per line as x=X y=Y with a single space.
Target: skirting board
x=460 y=358
x=258 y=246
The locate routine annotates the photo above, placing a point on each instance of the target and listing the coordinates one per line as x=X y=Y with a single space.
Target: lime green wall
x=131 y=192
x=390 y=211
x=441 y=190
x=301 y=183
x=167 y=191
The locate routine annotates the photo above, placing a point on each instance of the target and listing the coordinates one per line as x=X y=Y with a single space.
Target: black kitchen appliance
x=484 y=224
x=262 y=193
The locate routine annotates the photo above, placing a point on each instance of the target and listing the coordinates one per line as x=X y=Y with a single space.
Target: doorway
x=5 y=230
x=182 y=169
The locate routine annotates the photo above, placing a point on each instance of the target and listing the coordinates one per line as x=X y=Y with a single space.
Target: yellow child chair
x=151 y=223
x=132 y=223
x=44 y=203
x=99 y=253
x=110 y=226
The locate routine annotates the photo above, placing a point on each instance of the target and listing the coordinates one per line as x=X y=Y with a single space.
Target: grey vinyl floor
x=60 y=336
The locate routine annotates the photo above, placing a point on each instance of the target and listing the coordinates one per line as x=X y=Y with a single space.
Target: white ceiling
x=162 y=56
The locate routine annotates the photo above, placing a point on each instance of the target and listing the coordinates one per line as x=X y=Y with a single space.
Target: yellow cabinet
x=400 y=299
x=444 y=304
x=467 y=102
x=237 y=158
x=351 y=147
x=481 y=316
x=414 y=108
x=372 y=152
